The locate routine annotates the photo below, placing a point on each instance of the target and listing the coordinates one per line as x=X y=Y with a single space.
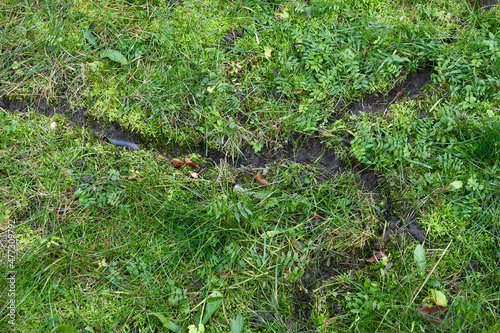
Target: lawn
x=249 y=166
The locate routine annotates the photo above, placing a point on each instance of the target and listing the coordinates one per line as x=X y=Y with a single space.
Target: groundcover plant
x=249 y=166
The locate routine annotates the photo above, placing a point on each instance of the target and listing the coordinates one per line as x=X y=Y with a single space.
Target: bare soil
x=308 y=151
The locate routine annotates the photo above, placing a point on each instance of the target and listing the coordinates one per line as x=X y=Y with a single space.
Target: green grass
x=107 y=238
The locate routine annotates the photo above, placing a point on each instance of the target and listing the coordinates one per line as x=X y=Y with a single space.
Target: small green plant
x=209 y=307
x=365 y=301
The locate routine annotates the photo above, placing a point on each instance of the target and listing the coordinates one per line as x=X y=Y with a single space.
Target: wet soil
x=305 y=150
x=308 y=151
x=410 y=88
x=327 y=267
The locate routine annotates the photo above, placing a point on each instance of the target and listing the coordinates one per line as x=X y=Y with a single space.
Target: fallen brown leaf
x=66 y=172
x=376 y=257
x=69 y=192
x=187 y=161
x=177 y=163
x=430 y=309
x=366 y=50
x=261 y=180
x=436 y=315
x=161 y=156
x=441 y=189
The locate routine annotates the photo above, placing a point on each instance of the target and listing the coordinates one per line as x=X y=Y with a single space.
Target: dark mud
x=307 y=151
x=304 y=150
x=410 y=88
x=77 y=117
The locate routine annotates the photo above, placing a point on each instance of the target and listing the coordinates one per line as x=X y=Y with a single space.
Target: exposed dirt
x=327 y=267
x=77 y=117
x=309 y=151
x=115 y=131
x=231 y=36
x=486 y=4
x=410 y=88
x=370 y=180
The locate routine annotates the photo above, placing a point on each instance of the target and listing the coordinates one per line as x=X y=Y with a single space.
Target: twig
x=427 y=278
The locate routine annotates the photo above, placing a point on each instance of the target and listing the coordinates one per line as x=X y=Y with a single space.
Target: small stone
x=53 y=125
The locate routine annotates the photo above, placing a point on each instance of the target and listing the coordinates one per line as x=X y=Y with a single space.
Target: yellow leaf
x=438 y=297
x=267 y=52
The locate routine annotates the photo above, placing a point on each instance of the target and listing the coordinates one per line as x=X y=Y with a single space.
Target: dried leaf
x=415 y=95
x=69 y=192
x=436 y=315
x=66 y=172
x=193 y=174
x=161 y=156
x=187 y=161
x=376 y=257
x=441 y=189
x=177 y=163
x=430 y=309
x=366 y=50
x=261 y=180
